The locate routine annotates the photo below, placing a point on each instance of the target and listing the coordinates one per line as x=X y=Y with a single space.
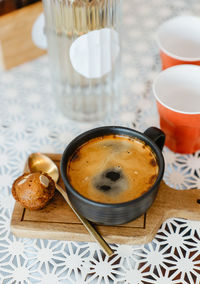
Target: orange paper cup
x=177 y=92
x=179 y=41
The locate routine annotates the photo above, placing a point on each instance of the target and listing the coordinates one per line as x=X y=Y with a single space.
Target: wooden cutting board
x=57 y=221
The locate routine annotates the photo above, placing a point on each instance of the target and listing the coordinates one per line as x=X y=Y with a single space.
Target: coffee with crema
x=112 y=169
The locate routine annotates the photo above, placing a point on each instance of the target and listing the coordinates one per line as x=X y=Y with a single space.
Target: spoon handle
x=103 y=244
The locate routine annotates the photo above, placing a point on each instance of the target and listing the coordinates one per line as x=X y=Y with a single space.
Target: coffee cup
x=179 y=41
x=112 y=173
x=176 y=90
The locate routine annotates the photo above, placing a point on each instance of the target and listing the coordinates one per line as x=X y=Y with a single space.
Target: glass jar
x=84 y=48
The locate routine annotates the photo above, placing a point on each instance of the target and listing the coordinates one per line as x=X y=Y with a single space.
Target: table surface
x=30 y=121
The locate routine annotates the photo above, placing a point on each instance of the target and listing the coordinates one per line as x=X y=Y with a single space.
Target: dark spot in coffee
x=75 y=156
x=111 y=181
x=112 y=175
x=105 y=187
x=153 y=162
x=152 y=179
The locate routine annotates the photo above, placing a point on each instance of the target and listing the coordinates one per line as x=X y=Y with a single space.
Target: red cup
x=179 y=41
x=177 y=92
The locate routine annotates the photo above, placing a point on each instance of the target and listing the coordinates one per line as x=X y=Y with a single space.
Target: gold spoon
x=40 y=162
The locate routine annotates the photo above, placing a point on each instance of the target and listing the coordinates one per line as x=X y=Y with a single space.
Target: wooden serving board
x=57 y=221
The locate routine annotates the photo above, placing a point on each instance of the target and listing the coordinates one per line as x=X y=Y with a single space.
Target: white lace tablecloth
x=30 y=121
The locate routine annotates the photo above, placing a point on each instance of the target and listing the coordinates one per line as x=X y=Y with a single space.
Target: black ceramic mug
x=115 y=213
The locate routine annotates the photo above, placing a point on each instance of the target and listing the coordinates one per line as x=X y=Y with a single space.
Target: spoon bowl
x=40 y=162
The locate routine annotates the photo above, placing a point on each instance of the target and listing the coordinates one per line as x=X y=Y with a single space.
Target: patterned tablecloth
x=30 y=121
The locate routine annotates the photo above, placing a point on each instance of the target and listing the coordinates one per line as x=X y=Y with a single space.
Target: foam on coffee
x=112 y=169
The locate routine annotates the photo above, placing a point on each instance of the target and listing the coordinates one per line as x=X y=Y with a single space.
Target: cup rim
x=171 y=54
x=167 y=70
x=140 y=135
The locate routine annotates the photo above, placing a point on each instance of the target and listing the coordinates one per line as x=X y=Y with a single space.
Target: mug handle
x=157 y=135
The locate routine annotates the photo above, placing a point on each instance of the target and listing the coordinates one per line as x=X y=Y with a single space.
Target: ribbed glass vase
x=84 y=48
